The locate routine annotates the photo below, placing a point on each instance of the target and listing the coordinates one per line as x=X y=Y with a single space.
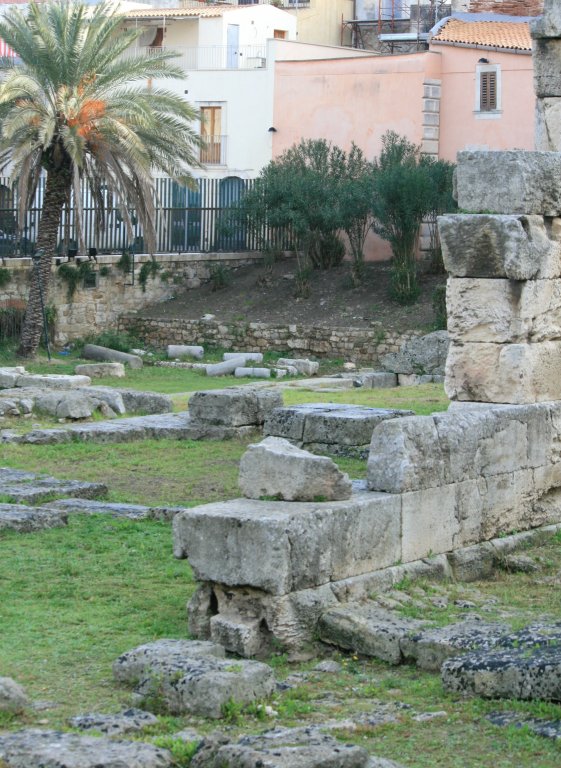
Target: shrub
x=439 y=307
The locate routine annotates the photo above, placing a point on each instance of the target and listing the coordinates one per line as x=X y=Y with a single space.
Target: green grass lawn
x=73 y=599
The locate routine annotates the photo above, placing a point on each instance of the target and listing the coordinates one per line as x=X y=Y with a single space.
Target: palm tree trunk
x=56 y=193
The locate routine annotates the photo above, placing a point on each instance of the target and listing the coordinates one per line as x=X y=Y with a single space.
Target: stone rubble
x=24 y=519
x=425 y=355
x=33 y=488
x=276 y=468
x=99 y=370
x=129 y=721
x=549 y=729
x=302 y=365
x=13 y=698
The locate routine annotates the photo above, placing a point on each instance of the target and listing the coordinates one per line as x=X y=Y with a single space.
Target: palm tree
x=72 y=106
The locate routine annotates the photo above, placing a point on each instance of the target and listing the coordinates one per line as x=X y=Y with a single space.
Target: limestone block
x=487 y=245
x=34 y=748
x=517 y=673
x=52 y=381
x=547 y=67
x=111 y=397
x=530 y=182
x=300 y=544
x=130 y=721
x=423 y=355
x=233 y=407
x=185 y=350
x=225 y=368
x=13 y=698
x=136 y=401
x=503 y=311
x=9 y=376
x=133 y=665
x=66 y=405
x=302 y=365
x=249 y=357
x=276 y=468
x=95 y=352
x=429 y=523
x=548 y=24
x=377 y=380
x=243 y=638
x=367 y=629
x=98 y=370
x=513 y=373
x=548 y=124
x=252 y=373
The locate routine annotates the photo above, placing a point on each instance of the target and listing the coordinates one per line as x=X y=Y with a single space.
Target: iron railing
x=212 y=56
x=187 y=220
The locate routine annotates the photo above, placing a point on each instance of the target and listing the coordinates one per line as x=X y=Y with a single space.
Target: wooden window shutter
x=488 y=91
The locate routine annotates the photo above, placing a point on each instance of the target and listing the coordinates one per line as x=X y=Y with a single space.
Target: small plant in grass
x=182 y=751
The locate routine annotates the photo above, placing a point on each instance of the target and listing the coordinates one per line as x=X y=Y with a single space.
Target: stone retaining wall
x=357 y=344
x=97 y=308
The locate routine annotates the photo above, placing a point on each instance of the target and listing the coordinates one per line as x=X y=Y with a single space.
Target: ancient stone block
x=513 y=373
x=132 y=665
x=300 y=544
x=13 y=698
x=548 y=124
x=302 y=365
x=252 y=373
x=99 y=370
x=423 y=355
x=368 y=629
x=249 y=357
x=233 y=407
x=34 y=748
x=276 y=468
x=487 y=245
x=225 y=368
x=531 y=182
x=503 y=311
x=547 y=67
x=549 y=23
x=130 y=721
x=185 y=350
x=52 y=381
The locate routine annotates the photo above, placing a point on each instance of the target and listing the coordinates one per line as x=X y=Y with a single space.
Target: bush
x=439 y=307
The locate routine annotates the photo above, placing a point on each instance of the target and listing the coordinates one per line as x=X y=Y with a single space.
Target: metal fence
x=187 y=220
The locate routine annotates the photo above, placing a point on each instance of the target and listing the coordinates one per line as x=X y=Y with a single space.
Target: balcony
x=214 y=150
x=214 y=56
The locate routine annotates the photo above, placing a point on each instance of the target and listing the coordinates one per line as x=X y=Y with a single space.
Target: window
x=279 y=34
x=488 y=90
x=211 y=133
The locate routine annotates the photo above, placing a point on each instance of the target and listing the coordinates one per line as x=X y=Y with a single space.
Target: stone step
x=16 y=517
x=130 y=511
x=32 y=488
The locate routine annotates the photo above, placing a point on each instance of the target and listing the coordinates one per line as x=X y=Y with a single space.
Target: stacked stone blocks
x=504 y=289
x=546 y=31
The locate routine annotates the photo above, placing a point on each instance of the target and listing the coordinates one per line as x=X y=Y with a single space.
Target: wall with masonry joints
x=94 y=310
x=357 y=344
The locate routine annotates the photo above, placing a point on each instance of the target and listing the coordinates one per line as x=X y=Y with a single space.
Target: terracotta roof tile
x=178 y=13
x=491 y=34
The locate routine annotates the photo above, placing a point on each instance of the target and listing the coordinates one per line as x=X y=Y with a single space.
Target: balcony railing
x=214 y=56
x=214 y=150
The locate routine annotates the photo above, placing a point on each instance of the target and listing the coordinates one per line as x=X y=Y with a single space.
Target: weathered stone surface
x=137 y=401
x=89 y=507
x=534 y=182
x=99 y=370
x=249 y=357
x=226 y=367
x=200 y=685
x=423 y=355
x=252 y=373
x=517 y=673
x=9 y=376
x=302 y=365
x=431 y=647
x=185 y=350
x=95 y=352
x=549 y=23
x=66 y=405
x=33 y=488
x=549 y=729
x=53 y=749
x=282 y=748
x=504 y=373
x=13 y=698
x=233 y=407
x=415 y=379
x=548 y=125
x=129 y=721
x=26 y=519
x=473 y=563
x=133 y=665
x=52 y=381
x=547 y=67
x=345 y=428
x=300 y=544
x=241 y=636
x=368 y=629
x=376 y=380
x=491 y=246
x=503 y=311
x=274 y=467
